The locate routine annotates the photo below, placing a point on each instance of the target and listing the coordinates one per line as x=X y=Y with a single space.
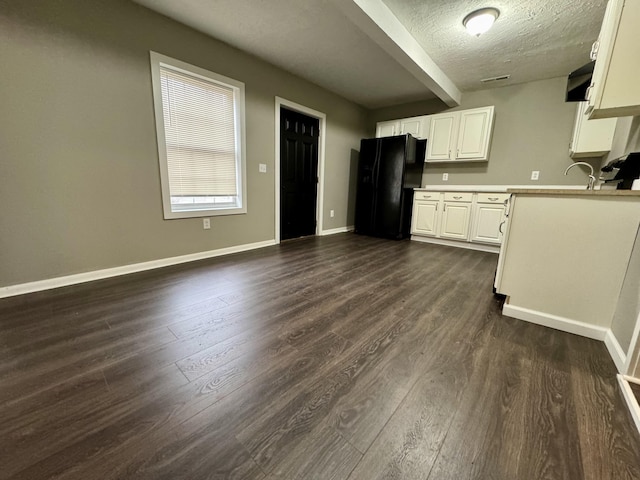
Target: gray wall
x=532 y=131
x=415 y=109
x=626 y=138
x=79 y=180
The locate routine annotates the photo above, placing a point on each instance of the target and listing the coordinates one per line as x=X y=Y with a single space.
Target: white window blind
x=200 y=135
x=200 y=125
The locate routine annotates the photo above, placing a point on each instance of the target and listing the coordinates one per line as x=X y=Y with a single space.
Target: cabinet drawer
x=458 y=196
x=492 y=197
x=426 y=196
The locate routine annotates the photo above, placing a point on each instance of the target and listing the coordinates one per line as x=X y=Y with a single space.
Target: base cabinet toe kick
x=474 y=220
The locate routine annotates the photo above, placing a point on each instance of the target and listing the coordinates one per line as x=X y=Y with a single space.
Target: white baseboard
x=615 y=350
x=457 y=243
x=333 y=231
x=630 y=398
x=20 y=289
x=553 y=321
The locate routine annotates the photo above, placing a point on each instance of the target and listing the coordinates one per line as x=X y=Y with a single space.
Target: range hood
x=578 y=83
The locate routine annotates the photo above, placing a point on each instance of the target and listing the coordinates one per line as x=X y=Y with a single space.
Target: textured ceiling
x=310 y=38
x=532 y=40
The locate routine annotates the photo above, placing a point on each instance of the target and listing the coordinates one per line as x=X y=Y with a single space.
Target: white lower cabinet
x=425 y=218
x=461 y=218
x=456 y=212
x=455 y=220
x=487 y=224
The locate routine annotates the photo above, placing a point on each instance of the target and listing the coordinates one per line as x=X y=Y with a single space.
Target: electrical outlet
x=206 y=223
x=535 y=175
x=262 y=167
x=445 y=177
x=332 y=213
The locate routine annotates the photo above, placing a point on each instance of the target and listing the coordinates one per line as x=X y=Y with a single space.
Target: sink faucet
x=592 y=179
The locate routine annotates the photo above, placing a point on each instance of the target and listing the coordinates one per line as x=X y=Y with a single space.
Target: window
x=200 y=132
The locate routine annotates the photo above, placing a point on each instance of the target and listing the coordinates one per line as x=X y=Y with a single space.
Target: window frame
x=157 y=60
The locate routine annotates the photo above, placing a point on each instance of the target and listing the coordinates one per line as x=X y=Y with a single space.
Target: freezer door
x=389 y=199
x=366 y=188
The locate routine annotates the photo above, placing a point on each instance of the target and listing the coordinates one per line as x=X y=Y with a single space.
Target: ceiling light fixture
x=480 y=21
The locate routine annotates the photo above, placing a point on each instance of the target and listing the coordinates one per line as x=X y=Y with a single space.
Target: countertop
x=492 y=188
x=527 y=190
x=584 y=192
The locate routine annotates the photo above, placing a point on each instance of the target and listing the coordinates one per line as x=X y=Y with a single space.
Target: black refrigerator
x=388 y=171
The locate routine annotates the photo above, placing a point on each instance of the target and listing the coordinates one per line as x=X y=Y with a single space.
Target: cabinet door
x=412 y=126
x=486 y=223
x=387 y=129
x=591 y=138
x=614 y=91
x=425 y=218
x=455 y=220
x=442 y=134
x=474 y=134
x=418 y=127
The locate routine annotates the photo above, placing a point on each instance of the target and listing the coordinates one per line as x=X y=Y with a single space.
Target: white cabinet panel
x=425 y=218
x=412 y=126
x=418 y=127
x=591 y=138
x=467 y=217
x=486 y=224
x=464 y=135
x=387 y=129
x=455 y=221
x=442 y=132
x=614 y=88
x=458 y=197
x=474 y=133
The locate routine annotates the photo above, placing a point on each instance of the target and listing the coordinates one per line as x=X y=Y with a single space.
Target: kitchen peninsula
x=564 y=260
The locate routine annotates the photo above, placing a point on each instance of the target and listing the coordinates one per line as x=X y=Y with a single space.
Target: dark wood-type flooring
x=635 y=388
x=343 y=357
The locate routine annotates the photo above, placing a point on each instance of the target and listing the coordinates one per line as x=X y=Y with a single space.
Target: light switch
x=262 y=168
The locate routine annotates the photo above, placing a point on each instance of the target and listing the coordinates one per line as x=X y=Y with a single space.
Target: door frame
x=322 y=118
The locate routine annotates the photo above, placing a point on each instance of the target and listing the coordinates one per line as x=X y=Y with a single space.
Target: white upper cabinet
x=464 y=135
x=388 y=129
x=473 y=136
x=614 y=88
x=418 y=127
x=442 y=131
x=412 y=126
x=591 y=138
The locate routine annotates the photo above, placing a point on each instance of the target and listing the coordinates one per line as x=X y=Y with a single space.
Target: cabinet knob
x=493 y=199
x=457 y=198
x=594 y=50
x=587 y=96
x=500 y=228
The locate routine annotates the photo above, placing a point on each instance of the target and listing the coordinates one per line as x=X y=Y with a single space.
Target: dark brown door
x=299 y=135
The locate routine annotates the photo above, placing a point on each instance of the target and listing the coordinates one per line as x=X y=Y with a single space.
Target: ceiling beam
x=378 y=22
